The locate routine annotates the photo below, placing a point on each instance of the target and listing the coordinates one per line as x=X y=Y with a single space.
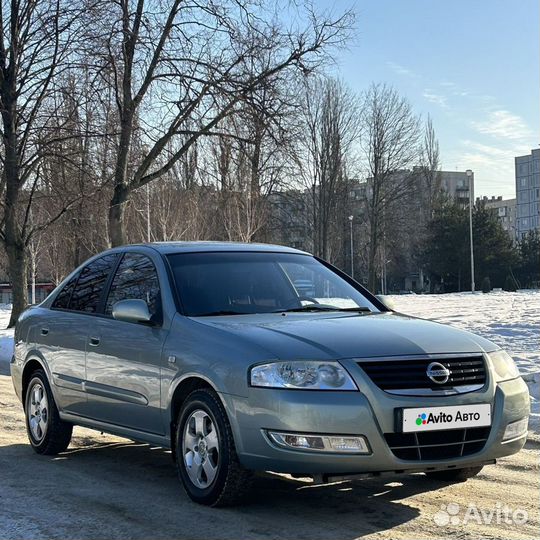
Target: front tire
x=206 y=458
x=47 y=433
x=455 y=475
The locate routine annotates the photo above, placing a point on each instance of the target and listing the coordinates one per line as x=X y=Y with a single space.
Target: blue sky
x=473 y=65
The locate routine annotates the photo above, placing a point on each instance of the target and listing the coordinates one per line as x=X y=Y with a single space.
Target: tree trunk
x=14 y=243
x=117 y=229
x=18 y=273
x=255 y=187
x=372 y=255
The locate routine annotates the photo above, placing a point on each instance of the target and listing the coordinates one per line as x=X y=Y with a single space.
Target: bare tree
x=430 y=168
x=330 y=129
x=390 y=145
x=181 y=67
x=251 y=161
x=34 y=49
x=239 y=202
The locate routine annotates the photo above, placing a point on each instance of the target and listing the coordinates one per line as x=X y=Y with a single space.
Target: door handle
x=94 y=341
x=44 y=331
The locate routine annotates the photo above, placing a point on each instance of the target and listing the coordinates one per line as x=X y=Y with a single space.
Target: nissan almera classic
x=244 y=357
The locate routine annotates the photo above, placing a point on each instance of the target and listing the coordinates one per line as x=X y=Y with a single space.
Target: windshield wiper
x=221 y=312
x=311 y=307
x=319 y=307
x=357 y=308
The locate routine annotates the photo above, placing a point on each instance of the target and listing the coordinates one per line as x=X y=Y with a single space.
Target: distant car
x=211 y=350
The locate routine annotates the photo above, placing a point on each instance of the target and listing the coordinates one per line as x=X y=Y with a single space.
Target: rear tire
x=206 y=458
x=47 y=433
x=455 y=475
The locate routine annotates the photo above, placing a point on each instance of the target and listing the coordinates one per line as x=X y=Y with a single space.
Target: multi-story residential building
x=528 y=192
x=459 y=185
x=505 y=210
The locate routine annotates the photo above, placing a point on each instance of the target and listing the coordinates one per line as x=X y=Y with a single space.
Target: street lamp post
x=469 y=174
x=351 y=218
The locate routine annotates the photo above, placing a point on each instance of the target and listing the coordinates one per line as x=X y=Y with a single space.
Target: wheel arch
x=30 y=366
x=182 y=390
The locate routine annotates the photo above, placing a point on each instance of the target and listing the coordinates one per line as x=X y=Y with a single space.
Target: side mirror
x=388 y=302
x=131 y=311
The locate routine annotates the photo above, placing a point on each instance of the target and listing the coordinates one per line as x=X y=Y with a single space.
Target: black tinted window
x=135 y=279
x=87 y=292
x=62 y=300
x=246 y=282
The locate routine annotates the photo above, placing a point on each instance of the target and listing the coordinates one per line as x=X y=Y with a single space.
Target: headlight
x=505 y=368
x=305 y=375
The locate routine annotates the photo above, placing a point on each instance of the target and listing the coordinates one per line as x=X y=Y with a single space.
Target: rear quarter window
x=64 y=296
x=88 y=291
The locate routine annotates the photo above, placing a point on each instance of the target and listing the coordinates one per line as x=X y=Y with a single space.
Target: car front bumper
x=370 y=414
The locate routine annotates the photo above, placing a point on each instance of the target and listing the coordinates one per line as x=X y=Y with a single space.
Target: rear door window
x=87 y=293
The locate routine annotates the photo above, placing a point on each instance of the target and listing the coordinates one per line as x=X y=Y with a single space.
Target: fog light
x=322 y=443
x=349 y=444
x=516 y=429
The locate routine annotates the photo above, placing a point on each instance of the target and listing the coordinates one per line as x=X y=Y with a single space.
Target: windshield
x=238 y=283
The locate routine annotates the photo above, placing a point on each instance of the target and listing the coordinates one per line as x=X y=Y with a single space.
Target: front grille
x=434 y=445
x=412 y=374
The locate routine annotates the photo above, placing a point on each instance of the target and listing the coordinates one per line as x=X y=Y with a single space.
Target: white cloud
x=486 y=149
x=493 y=165
x=434 y=97
x=505 y=135
x=399 y=69
x=503 y=124
x=454 y=89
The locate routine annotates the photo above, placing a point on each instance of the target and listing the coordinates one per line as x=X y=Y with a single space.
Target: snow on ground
x=511 y=320
x=6 y=339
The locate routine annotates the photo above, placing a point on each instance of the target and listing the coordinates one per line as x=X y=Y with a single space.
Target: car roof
x=168 y=248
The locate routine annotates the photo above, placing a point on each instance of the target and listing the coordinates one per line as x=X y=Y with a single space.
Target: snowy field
x=511 y=320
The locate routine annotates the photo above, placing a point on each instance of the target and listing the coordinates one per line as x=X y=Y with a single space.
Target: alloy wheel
x=38 y=412
x=200 y=448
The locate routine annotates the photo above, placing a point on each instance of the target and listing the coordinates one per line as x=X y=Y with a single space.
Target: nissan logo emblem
x=438 y=373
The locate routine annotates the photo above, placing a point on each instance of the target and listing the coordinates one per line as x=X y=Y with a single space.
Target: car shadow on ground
x=113 y=490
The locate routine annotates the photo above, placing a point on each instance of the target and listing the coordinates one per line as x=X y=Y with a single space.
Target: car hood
x=339 y=335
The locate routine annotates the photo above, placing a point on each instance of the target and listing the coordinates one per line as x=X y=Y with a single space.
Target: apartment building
x=505 y=210
x=527 y=170
x=459 y=185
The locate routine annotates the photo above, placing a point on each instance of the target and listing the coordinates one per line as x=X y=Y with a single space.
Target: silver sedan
x=246 y=357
